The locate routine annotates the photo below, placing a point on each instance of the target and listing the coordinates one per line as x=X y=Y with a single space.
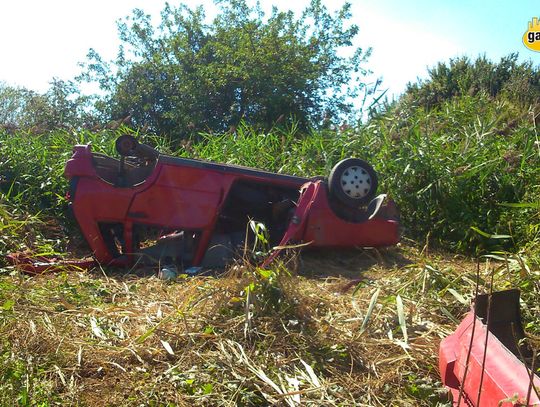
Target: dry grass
x=109 y=338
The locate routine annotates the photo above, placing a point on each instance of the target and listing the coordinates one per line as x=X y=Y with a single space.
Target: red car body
x=164 y=206
x=482 y=364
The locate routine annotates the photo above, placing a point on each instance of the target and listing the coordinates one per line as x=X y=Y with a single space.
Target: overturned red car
x=149 y=207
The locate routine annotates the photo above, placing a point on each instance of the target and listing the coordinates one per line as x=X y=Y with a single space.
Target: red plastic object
x=121 y=208
x=41 y=265
x=501 y=380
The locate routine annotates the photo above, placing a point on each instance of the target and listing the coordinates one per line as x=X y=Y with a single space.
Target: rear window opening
x=126 y=172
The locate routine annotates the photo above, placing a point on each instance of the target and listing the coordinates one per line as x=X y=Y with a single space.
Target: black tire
x=126 y=144
x=353 y=182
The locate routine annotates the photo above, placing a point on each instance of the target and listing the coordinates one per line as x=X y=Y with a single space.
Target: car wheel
x=353 y=182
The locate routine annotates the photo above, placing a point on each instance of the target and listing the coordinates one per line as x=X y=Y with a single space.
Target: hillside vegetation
x=460 y=154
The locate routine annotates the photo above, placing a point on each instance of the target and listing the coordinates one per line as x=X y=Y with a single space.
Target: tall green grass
x=449 y=169
x=453 y=168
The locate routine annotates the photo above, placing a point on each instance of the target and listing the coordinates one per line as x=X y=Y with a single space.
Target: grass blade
x=489 y=236
x=401 y=317
x=457 y=296
x=371 y=307
x=167 y=347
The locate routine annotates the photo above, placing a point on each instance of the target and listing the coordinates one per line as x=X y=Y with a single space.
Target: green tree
x=186 y=75
x=518 y=82
x=61 y=106
x=12 y=103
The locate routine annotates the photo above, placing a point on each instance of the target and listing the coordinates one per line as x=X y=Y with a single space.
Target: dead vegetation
x=358 y=329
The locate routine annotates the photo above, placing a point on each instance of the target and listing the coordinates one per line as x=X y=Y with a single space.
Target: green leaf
x=371 y=307
x=495 y=236
x=401 y=317
x=360 y=285
x=207 y=388
x=458 y=296
x=264 y=273
x=8 y=305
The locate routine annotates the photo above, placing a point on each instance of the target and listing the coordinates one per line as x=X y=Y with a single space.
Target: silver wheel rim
x=356 y=182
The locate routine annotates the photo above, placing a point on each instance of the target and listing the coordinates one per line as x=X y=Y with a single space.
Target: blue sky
x=45 y=39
